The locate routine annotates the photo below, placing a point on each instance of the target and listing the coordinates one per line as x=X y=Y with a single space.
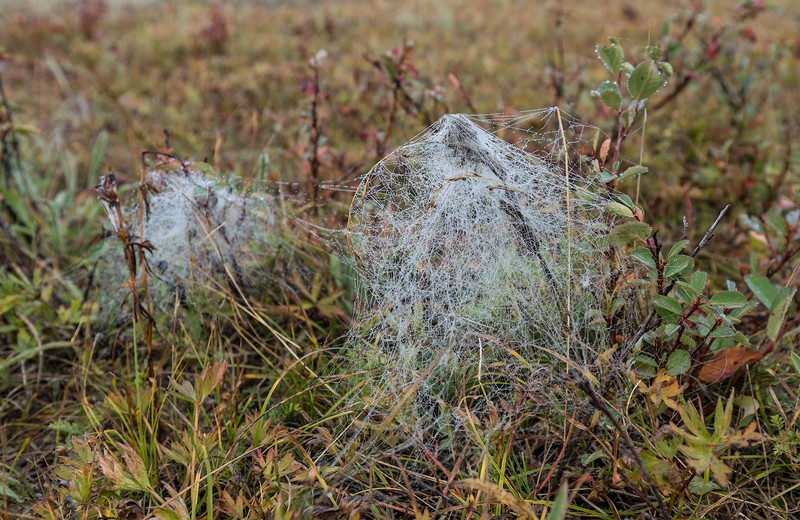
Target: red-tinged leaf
x=725 y=363
x=308 y=88
x=453 y=79
x=604 y=150
x=711 y=51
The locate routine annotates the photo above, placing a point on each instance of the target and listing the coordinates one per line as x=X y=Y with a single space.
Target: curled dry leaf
x=725 y=363
x=664 y=389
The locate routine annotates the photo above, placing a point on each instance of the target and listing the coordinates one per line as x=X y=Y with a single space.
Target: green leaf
x=654 y=53
x=25 y=130
x=645 y=80
x=722 y=332
x=165 y=513
x=588 y=458
x=728 y=299
x=6 y=490
x=611 y=55
x=678 y=266
x=796 y=361
x=679 y=362
x=96 y=157
x=764 y=290
x=701 y=486
x=628 y=117
x=644 y=255
x=776 y=223
x=66 y=428
x=677 y=248
x=668 y=308
x=185 y=390
x=609 y=94
x=645 y=366
x=670 y=329
x=389 y=66
x=667 y=447
x=699 y=280
x=559 y=507
x=740 y=337
x=612 y=99
x=723 y=417
x=748 y=407
x=205 y=168
x=628 y=232
x=23 y=215
x=619 y=209
x=694 y=423
x=625 y=199
x=632 y=172
x=685 y=292
x=776 y=317
x=605 y=86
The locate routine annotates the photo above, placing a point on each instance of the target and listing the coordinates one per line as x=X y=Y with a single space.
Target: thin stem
x=569 y=234
x=641 y=156
x=314 y=136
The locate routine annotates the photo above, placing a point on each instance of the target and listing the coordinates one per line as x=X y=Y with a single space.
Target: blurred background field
x=228 y=81
x=299 y=99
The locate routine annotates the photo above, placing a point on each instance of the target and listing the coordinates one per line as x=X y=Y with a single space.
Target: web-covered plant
x=201 y=236
x=483 y=265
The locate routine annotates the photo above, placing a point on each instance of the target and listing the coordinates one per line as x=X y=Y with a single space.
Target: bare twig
x=710 y=233
x=557 y=63
x=314 y=134
x=456 y=82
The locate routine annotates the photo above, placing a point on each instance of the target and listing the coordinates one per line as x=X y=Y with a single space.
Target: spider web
x=481 y=270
